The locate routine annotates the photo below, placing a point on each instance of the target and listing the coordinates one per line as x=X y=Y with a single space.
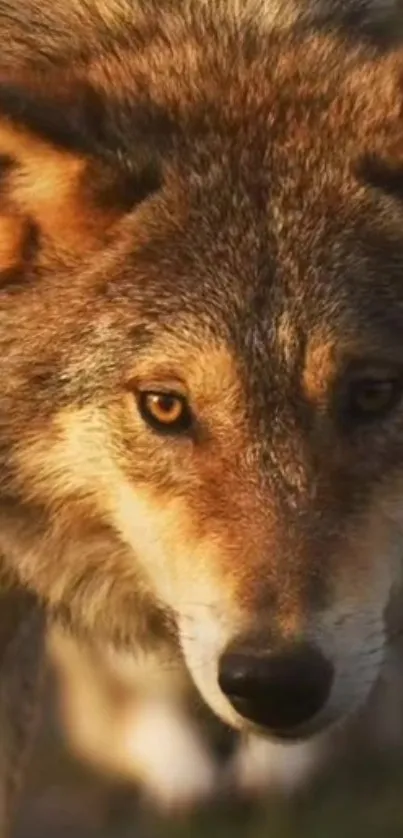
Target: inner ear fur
x=63 y=172
x=52 y=190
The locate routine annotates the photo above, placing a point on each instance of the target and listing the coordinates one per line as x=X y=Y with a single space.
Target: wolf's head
x=201 y=311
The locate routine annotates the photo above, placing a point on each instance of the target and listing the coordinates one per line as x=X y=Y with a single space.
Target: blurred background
x=125 y=748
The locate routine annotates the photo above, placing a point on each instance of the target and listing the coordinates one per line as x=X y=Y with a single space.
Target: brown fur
x=203 y=204
x=21 y=652
x=44 y=34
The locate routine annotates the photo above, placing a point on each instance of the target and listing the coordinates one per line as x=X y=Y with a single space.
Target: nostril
x=276 y=690
x=238 y=675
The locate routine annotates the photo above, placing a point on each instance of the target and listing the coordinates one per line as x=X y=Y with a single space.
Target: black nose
x=279 y=691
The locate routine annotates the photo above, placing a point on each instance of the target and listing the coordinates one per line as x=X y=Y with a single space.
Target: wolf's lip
x=299 y=733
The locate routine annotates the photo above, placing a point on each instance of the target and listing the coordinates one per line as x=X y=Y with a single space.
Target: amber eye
x=165 y=412
x=371 y=398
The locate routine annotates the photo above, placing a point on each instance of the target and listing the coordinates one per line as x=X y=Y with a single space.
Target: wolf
x=125 y=714
x=200 y=329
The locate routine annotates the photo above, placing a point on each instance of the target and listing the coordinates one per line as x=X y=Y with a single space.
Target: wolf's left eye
x=369 y=398
x=165 y=412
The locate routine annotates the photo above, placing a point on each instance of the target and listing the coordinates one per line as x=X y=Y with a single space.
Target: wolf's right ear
x=58 y=176
x=43 y=187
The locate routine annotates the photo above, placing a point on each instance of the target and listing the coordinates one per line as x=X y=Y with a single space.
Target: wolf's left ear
x=60 y=174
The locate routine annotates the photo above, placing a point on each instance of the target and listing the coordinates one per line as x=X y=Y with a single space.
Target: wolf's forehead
x=263 y=343
x=218 y=350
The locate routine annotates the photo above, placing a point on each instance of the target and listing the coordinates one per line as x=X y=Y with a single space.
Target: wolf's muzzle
x=279 y=691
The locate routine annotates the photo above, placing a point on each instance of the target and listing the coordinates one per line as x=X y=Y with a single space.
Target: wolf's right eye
x=165 y=412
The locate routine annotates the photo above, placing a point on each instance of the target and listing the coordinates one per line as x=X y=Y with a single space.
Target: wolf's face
x=201 y=422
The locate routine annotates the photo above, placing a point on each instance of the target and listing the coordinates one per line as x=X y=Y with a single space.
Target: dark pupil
x=165 y=403
x=373 y=393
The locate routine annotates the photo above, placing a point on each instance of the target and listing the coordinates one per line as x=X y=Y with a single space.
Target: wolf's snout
x=279 y=691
